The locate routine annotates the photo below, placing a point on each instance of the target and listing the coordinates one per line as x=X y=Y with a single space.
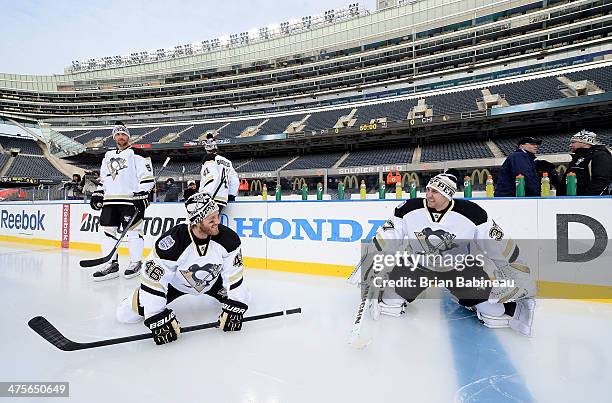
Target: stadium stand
x=34 y=167
x=264 y=164
x=524 y=92
x=279 y=124
x=325 y=119
x=4 y=157
x=377 y=157
x=314 y=161
x=25 y=145
x=455 y=151
x=393 y=111
x=601 y=77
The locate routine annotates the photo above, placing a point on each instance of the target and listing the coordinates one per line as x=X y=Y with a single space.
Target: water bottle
x=520 y=185
x=341 y=191
x=571 y=182
x=467 y=187
x=545 y=185
x=319 y=191
x=362 y=190
x=413 y=192
x=490 y=187
x=381 y=190
x=398 y=190
x=278 y=192
x=264 y=192
x=305 y=192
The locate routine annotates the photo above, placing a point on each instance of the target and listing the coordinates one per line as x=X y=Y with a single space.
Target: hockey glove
x=231 y=318
x=141 y=201
x=164 y=326
x=97 y=200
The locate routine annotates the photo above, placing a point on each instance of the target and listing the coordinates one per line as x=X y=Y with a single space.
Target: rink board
x=323 y=237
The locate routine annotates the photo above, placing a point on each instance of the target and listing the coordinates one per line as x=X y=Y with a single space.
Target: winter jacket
x=593 y=169
x=519 y=162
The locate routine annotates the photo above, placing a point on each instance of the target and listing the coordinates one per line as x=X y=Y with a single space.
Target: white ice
x=436 y=353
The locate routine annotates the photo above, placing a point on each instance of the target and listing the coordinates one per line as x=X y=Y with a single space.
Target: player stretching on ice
x=202 y=257
x=126 y=179
x=435 y=232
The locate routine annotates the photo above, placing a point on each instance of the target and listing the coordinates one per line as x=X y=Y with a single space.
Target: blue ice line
x=484 y=370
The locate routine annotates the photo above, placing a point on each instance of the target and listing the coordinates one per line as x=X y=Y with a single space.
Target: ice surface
x=438 y=352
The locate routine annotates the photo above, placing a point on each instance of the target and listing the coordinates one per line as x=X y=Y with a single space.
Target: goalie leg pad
x=523 y=316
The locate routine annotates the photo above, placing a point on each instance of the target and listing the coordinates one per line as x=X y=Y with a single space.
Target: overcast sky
x=44 y=36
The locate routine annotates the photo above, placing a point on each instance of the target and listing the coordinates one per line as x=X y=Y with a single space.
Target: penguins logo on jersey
x=388 y=225
x=115 y=165
x=437 y=241
x=238 y=259
x=201 y=277
x=496 y=232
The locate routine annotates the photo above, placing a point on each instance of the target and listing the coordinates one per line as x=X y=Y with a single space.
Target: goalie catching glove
x=231 y=318
x=97 y=200
x=140 y=200
x=164 y=326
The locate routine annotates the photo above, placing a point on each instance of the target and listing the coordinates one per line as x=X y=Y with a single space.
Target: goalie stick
x=50 y=333
x=104 y=259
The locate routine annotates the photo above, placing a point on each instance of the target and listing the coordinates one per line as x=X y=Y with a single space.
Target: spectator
x=172 y=191
x=592 y=164
x=74 y=189
x=90 y=182
x=521 y=162
x=191 y=189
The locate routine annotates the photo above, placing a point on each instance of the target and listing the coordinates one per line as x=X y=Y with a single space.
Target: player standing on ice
x=202 y=257
x=127 y=179
x=218 y=177
x=440 y=226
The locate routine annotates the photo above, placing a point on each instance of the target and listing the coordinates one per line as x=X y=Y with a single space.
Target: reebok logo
x=23 y=221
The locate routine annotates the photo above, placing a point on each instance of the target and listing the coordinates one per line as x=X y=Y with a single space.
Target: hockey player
x=202 y=257
x=218 y=177
x=126 y=179
x=442 y=227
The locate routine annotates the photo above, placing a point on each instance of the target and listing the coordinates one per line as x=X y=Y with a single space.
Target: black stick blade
x=96 y=262
x=48 y=332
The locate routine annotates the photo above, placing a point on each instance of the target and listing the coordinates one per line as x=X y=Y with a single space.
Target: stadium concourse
x=438 y=352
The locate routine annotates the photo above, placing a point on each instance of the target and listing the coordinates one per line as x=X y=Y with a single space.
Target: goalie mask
x=199 y=206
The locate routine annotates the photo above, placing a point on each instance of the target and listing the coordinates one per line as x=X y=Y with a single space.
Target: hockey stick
x=104 y=259
x=356 y=339
x=48 y=332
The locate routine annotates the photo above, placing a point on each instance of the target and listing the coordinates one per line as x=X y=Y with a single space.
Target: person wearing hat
x=521 y=161
x=592 y=164
x=190 y=191
x=437 y=234
x=200 y=257
x=172 y=191
x=126 y=180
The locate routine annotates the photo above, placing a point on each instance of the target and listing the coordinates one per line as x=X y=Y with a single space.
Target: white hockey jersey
x=192 y=266
x=463 y=229
x=218 y=178
x=124 y=173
